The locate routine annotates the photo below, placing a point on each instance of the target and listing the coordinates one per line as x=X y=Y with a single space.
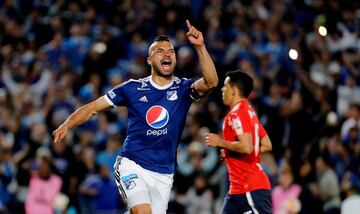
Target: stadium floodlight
x=322 y=31
x=100 y=47
x=293 y=54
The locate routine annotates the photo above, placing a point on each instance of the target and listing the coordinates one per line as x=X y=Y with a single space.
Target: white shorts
x=141 y=186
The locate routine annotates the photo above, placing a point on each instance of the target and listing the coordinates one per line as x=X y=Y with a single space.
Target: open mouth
x=166 y=63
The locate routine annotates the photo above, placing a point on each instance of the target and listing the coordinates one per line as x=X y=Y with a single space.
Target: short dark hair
x=242 y=81
x=160 y=38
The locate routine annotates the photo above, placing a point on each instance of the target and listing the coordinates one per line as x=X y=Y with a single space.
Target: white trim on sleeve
x=109 y=101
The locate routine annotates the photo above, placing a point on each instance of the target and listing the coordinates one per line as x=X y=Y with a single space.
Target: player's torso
x=156 y=118
x=238 y=116
x=245 y=170
x=155 y=112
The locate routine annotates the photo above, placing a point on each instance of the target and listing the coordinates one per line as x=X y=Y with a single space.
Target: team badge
x=157 y=117
x=172 y=95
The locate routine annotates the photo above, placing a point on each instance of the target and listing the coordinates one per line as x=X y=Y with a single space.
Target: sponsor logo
x=143 y=89
x=111 y=94
x=172 y=95
x=157 y=117
x=156 y=132
x=143 y=99
x=174 y=87
x=128 y=181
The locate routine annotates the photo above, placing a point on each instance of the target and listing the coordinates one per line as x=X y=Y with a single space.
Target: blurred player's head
x=237 y=84
x=161 y=57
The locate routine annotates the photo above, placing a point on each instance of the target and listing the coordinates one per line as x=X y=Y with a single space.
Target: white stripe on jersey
x=237 y=125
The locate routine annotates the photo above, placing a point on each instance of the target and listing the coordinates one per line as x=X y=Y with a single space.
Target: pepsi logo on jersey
x=157 y=117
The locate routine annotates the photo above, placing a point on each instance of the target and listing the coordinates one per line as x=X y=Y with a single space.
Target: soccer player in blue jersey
x=157 y=108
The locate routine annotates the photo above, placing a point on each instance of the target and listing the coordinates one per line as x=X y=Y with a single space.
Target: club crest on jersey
x=172 y=95
x=157 y=117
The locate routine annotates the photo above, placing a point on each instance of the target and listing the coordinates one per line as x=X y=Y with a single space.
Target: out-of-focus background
x=56 y=55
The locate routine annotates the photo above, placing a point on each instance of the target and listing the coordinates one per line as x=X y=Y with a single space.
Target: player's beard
x=160 y=73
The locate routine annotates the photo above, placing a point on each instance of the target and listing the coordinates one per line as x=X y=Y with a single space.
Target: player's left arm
x=209 y=81
x=265 y=144
x=242 y=145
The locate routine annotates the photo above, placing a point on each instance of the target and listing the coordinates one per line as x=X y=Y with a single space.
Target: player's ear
x=148 y=60
x=235 y=91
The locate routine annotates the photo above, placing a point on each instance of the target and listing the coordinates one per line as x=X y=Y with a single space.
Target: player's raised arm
x=80 y=116
x=210 y=79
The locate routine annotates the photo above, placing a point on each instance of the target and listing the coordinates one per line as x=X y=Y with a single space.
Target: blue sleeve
x=193 y=93
x=188 y=82
x=117 y=95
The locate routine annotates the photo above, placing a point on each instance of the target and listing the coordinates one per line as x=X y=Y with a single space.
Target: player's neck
x=235 y=101
x=161 y=81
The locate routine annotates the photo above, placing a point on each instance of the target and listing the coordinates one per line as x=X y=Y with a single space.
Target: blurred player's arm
x=243 y=145
x=265 y=144
x=209 y=80
x=80 y=116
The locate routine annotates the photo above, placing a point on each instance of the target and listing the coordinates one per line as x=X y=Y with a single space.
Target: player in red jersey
x=243 y=140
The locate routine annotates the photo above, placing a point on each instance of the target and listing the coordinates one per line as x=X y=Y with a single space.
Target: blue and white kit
x=156 y=118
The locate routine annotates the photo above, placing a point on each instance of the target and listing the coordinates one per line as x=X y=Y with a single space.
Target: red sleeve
x=262 y=131
x=240 y=122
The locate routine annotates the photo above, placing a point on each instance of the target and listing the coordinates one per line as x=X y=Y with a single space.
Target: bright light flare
x=293 y=54
x=100 y=47
x=322 y=31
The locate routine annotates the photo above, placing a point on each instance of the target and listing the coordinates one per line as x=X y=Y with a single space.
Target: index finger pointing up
x=188 y=24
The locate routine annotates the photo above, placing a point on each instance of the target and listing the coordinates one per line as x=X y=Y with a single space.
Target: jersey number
x=257 y=140
x=256 y=132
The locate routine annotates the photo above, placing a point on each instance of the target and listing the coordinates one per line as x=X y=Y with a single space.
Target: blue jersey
x=156 y=119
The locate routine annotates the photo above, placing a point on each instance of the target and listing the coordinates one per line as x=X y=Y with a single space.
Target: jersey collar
x=161 y=87
x=238 y=104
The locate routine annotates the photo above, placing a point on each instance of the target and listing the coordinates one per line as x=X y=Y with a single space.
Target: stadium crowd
x=56 y=55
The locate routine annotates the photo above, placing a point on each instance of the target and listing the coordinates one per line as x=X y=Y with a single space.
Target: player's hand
x=60 y=133
x=213 y=140
x=222 y=154
x=194 y=36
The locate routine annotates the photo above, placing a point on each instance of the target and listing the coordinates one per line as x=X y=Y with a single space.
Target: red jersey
x=245 y=171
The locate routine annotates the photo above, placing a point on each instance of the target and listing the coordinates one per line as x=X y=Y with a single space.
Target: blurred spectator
x=7 y=174
x=352 y=120
x=326 y=178
x=99 y=193
x=199 y=198
x=56 y=53
x=348 y=94
x=44 y=186
x=108 y=156
x=350 y=185
x=193 y=160
x=285 y=196
x=86 y=170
